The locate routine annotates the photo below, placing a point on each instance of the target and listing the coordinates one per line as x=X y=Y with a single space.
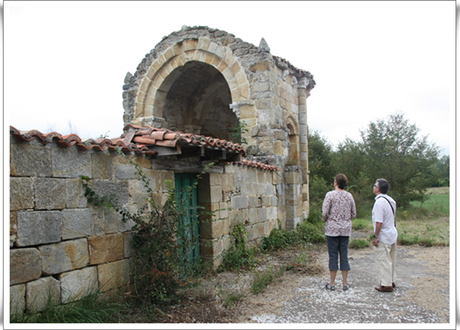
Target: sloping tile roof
x=70 y=140
x=251 y=163
x=139 y=140
x=166 y=138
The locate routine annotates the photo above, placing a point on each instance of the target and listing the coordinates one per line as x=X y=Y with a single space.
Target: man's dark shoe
x=393 y=285
x=384 y=288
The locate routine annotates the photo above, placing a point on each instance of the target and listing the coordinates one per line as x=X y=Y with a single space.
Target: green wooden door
x=188 y=240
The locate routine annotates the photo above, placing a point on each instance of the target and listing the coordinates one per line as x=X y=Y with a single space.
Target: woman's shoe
x=332 y=288
x=346 y=287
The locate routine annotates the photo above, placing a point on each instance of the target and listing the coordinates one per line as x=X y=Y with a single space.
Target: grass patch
x=426 y=232
x=359 y=243
x=94 y=308
x=262 y=280
x=361 y=224
x=232 y=298
x=438 y=201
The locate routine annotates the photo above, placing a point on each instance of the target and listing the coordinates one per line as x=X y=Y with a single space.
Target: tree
x=349 y=160
x=394 y=151
x=441 y=168
x=322 y=172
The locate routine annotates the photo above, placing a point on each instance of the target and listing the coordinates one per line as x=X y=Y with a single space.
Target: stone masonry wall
x=61 y=246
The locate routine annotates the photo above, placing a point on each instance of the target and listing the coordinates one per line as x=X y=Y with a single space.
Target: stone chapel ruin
x=181 y=107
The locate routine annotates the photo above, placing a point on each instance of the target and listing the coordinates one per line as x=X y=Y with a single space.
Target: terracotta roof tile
x=251 y=163
x=139 y=140
x=67 y=141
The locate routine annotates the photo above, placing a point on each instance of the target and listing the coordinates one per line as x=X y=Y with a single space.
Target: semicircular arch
x=165 y=70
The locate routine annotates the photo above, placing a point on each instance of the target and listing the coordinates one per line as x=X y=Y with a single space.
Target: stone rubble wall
x=63 y=247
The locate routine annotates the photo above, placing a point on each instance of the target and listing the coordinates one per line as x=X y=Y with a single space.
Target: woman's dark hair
x=341 y=180
x=383 y=185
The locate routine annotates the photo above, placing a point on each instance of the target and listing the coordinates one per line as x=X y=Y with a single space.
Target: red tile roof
x=139 y=140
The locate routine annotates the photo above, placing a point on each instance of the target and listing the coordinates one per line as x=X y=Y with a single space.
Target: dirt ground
x=422 y=293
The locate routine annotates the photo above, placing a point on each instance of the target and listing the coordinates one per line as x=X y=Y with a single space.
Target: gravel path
x=422 y=294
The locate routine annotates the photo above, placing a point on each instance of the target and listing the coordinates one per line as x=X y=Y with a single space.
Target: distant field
x=438 y=200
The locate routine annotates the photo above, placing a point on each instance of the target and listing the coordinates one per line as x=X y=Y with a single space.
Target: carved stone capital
x=303 y=82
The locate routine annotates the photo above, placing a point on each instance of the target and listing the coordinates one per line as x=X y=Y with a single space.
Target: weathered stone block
x=293 y=177
x=212 y=229
x=25 y=265
x=102 y=165
x=259 y=229
x=239 y=202
x=21 y=193
x=126 y=172
x=252 y=215
x=128 y=249
x=71 y=162
x=113 y=275
x=279 y=149
x=228 y=182
x=269 y=189
x=105 y=248
x=272 y=213
x=253 y=201
x=216 y=194
x=17 y=299
x=261 y=214
x=261 y=86
x=75 y=194
x=50 y=194
x=211 y=247
x=41 y=292
x=76 y=223
x=30 y=160
x=78 y=284
x=64 y=256
x=39 y=227
x=248 y=189
x=119 y=190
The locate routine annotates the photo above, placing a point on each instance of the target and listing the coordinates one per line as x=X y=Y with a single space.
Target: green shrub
x=316 y=216
x=239 y=254
x=309 y=233
x=278 y=239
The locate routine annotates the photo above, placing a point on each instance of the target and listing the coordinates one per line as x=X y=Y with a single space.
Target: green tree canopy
x=394 y=151
x=322 y=171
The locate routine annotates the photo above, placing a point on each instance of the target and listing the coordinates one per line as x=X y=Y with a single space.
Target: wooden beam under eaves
x=165 y=151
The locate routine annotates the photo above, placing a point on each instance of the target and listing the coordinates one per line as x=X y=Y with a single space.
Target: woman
x=338 y=210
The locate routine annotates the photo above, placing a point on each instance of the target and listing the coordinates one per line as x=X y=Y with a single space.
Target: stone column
x=303 y=140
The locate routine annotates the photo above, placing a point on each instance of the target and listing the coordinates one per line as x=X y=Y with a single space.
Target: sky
x=65 y=62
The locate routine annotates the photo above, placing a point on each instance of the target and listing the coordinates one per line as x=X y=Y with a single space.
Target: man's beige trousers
x=385 y=263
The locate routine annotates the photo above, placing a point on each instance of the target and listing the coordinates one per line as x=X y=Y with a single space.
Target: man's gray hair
x=383 y=185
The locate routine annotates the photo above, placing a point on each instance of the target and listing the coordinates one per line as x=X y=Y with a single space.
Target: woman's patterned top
x=338 y=210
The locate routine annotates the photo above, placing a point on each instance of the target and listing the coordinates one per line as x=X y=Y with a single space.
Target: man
x=385 y=236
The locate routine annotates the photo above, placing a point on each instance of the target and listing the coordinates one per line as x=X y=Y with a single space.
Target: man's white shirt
x=383 y=213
